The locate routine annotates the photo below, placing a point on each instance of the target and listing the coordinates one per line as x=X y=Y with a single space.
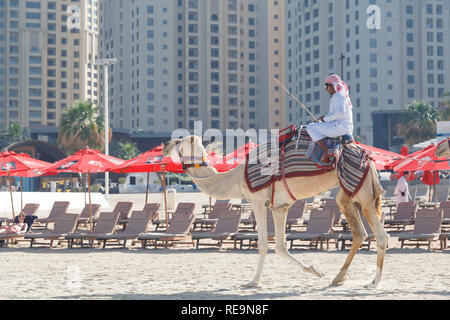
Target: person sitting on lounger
x=339 y=121
x=16 y=228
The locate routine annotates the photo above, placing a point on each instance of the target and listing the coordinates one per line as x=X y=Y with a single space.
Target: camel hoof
x=250 y=285
x=372 y=285
x=339 y=281
x=316 y=271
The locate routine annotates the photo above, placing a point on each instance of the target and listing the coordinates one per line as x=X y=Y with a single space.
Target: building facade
x=390 y=53
x=47 y=54
x=185 y=61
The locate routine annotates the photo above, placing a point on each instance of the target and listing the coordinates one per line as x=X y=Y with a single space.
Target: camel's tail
x=378 y=190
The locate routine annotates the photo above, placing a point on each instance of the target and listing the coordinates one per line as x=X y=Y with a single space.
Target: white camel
x=232 y=185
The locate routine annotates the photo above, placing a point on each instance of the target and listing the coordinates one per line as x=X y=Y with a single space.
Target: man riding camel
x=339 y=121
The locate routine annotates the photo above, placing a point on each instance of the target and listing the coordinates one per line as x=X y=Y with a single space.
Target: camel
x=443 y=149
x=232 y=185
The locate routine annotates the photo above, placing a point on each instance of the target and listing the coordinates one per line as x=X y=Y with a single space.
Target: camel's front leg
x=359 y=234
x=279 y=217
x=260 y=212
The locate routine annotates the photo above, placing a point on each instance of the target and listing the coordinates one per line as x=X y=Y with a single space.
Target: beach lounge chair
x=331 y=204
x=249 y=222
x=405 y=215
x=59 y=207
x=319 y=229
x=65 y=223
x=138 y=224
x=85 y=214
x=226 y=227
x=295 y=214
x=183 y=208
x=179 y=230
x=106 y=223
x=420 y=193
x=5 y=238
x=427 y=228
x=348 y=236
x=441 y=193
x=252 y=237
x=445 y=206
x=151 y=207
x=29 y=209
x=211 y=221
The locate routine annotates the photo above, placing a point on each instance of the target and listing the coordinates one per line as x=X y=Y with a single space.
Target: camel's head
x=186 y=148
x=443 y=149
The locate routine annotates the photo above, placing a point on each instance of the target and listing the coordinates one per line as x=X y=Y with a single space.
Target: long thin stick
x=295 y=98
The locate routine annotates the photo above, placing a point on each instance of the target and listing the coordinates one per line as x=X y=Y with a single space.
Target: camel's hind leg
x=260 y=212
x=279 y=217
x=352 y=214
x=382 y=237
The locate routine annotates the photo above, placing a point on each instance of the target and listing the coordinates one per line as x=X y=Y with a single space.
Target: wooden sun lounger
x=252 y=237
x=227 y=226
x=106 y=224
x=405 y=215
x=65 y=223
x=427 y=228
x=59 y=207
x=179 y=230
x=295 y=214
x=138 y=224
x=319 y=229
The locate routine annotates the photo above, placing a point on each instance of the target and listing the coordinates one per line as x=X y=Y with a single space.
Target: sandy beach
x=185 y=273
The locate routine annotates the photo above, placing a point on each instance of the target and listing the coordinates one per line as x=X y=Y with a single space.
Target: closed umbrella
x=85 y=161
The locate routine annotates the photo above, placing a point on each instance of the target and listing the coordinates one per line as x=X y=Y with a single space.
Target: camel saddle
x=296 y=156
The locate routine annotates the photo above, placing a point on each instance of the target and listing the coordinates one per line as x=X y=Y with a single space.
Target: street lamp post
x=106 y=63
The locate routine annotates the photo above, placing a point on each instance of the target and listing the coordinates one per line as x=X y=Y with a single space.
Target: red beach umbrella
x=85 y=161
x=381 y=158
x=235 y=158
x=152 y=161
x=19 y=165
x=423 y=160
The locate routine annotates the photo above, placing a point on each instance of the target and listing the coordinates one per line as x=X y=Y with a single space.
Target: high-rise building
x=180 y=61
x=47 y=54
x=390 y=53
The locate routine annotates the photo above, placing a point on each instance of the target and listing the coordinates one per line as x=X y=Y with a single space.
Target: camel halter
x=193 y=163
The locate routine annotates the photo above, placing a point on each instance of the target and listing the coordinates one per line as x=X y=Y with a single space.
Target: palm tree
x=15 y=132
x=124 y=150
x=81 y=126
x=418 y=122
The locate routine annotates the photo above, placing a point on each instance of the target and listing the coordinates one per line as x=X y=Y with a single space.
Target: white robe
x=338 y=122
x=402 y=186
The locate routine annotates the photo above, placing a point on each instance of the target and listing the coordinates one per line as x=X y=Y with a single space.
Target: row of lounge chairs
x=223 y=224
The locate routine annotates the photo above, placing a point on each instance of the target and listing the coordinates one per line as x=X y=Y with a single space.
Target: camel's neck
x=202 y=172
x=221 y=186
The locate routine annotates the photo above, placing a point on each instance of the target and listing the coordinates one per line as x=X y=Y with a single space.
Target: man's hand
x=321 y=119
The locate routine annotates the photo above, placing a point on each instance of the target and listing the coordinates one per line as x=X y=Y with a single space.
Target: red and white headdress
x=339 y=85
